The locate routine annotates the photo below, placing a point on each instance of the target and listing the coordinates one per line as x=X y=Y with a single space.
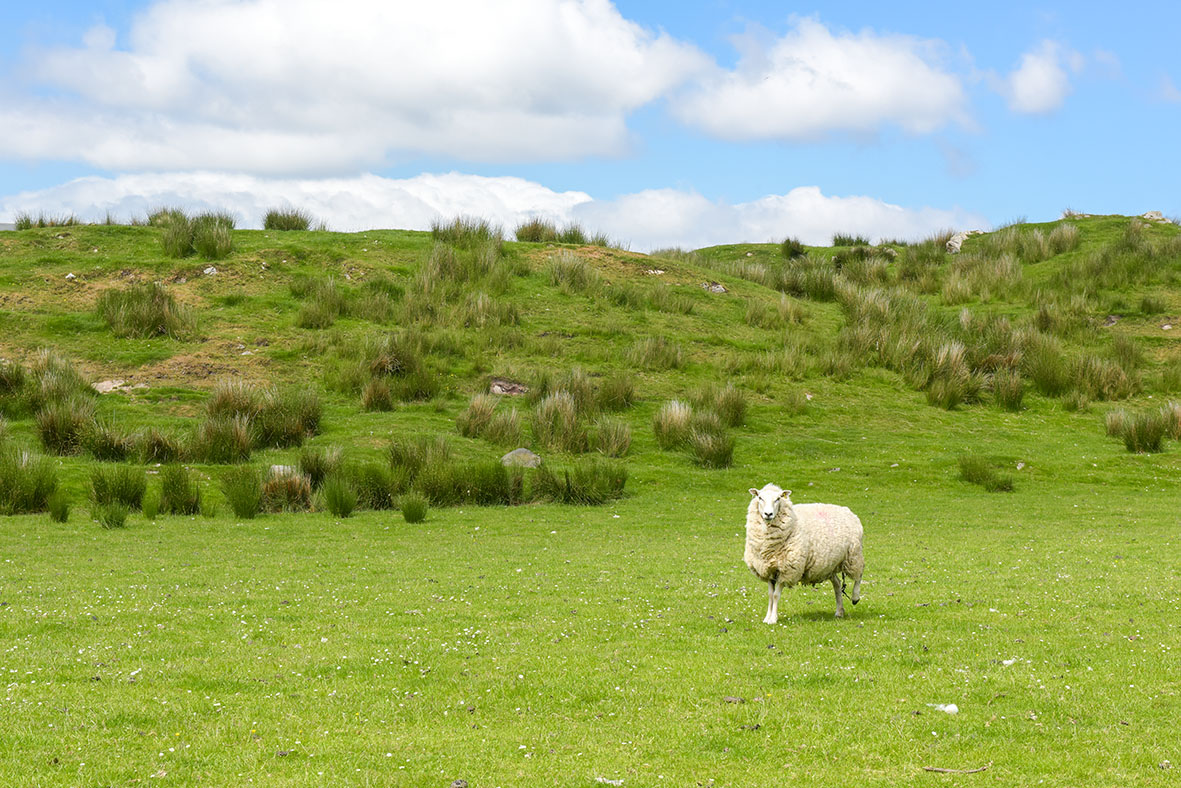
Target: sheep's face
x=769 y=500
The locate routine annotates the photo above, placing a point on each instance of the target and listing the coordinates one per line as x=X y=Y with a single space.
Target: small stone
x=107 y=386
x=1111 y=320
x=507 y=387
x=1167 y=327
x=460 y=783
x=732 y=699
x=210 y=271
x=713 y=287
x=70 y=277
x=750 y=254
x=521 y=458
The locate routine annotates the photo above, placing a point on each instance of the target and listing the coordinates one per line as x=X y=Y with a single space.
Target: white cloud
x=644 y=220
x=1041 y=83
x=810 y=83
x=303 y=86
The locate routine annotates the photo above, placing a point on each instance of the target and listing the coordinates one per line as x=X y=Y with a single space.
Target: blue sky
x=660 y=123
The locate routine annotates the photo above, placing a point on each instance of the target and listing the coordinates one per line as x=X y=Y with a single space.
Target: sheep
x=808 y=543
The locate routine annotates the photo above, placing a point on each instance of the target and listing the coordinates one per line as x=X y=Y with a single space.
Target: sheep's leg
x=837 y=585
x=772 y=602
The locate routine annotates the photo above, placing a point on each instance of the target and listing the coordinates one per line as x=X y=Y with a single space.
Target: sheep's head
x=770 y=499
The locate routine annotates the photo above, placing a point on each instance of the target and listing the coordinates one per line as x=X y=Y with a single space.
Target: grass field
x=548 y=644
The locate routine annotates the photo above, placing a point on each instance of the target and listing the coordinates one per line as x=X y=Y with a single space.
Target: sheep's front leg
x=837 y=585
x=773 y=589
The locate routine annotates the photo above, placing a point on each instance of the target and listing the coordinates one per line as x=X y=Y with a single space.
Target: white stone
x=210 y=271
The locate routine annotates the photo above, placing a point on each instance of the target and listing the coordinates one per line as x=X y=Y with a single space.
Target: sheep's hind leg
x=772 y=601
x=837 y=586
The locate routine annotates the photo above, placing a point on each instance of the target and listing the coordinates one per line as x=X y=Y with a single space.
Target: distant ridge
x=4 y=226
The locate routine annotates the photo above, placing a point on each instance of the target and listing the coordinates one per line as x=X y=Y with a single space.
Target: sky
x=658 y=123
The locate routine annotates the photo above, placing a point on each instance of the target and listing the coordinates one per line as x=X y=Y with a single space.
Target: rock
x=1167 y=327
x=508 y=387
x=654 y=271
x=70 y=277
x=107 y=386
x=713 y=287
x=521 y=458
x=1155 y=216
x=886 y=251
x=460 y=783
x=732 y=699
x=956 y=241
x=750 y=254
x=210 y=271
x=1111 y=320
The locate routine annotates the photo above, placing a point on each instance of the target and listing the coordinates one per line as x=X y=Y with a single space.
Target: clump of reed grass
x=589 y=482
x=242 y=487
x=376 y=395
x=977 y=469
x=657 y=353
x=504 y=428
x=62 y=423
x=213 y=235
x=556 y=424
x=849 y=239
x=414 y=507
x=58 y=504
x=617 y=392
x=1143 y=432
x=284 y=219
x=110 y=515
x=318 y=463
x=106 y=443
x=711 y=448
x=339 y=497
x=156 y=446
x=571 y=273
x=222 y=440
x=612 y=437
x=728 y=402
x=1008 y=389
x=466 y=232
x=146 y=310
x=792 y=248
x=27 y=481
x=118 y=484
x=285 y=489
x=671 y=424
x=179 y=494
x=472 y=420
x=27 y=221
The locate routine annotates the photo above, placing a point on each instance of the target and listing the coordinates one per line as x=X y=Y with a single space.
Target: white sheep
x=808 y=543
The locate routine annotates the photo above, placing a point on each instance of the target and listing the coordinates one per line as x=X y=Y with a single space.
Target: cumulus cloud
x=1041 y=82
x=302 y=86
x=812 y=82
x=644 y=220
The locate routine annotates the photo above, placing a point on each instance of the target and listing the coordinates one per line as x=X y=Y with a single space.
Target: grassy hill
x=976 y=410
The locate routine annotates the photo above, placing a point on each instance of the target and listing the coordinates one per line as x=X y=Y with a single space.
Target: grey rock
x=1155 y=216
x=521 y=458
x=713 y=287
x=210 y=271
x=508 y=387
x=956 y=241
x=460 y=783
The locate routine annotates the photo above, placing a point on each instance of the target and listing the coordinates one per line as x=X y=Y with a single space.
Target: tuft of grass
x=1142 y=432
x=242 y=487
x=414 y=507
x=589 y=482
x=792 y=249
x=504 y=428
x=179 y=494
x=213 y=235
x=318 y=464
x=176 y=237
x=286 y=490
x=59 y=506
x=156 y=446
x=376 y=396
x=26 y=481
x=106 y=443
x=146 y=310
x=556 y=424
x=613 y=437
x=571 y=273
x=110 y=515
x=671 y=424
x=284 y=219
x=657 y=353
x=978 y=470
x=474 y=419
x=711 y=448
x=467 y=232
x=726 y=401
x=1008 y=389
x=118 y=484
x=849 y=239
x=222 y=440
x=411 y=455
x=62 y=423
x=339 y=497
x=617 y=392
x=377 y=486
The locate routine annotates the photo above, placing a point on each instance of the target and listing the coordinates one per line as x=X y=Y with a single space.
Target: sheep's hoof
x=769 y=620
x=840 y=614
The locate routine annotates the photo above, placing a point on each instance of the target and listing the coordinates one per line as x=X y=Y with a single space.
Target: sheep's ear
x=785 y=493
x=754 y=492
